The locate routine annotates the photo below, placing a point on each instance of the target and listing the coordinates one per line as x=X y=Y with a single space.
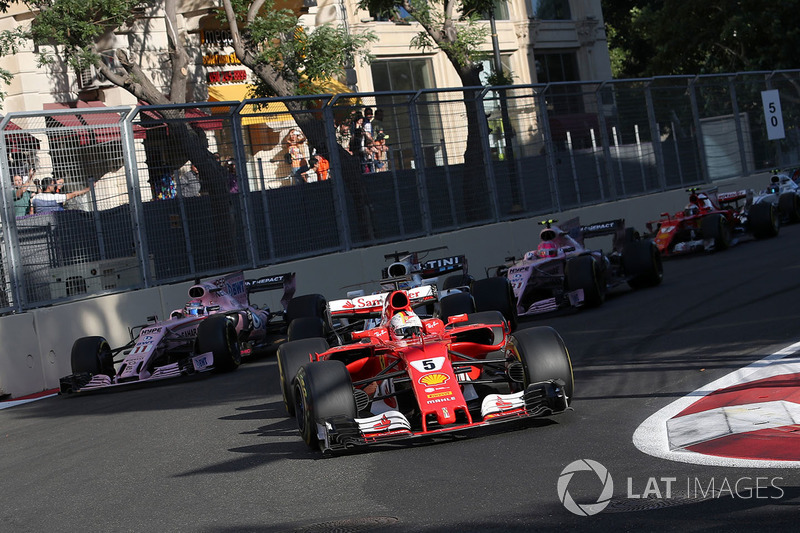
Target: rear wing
x=371 y=306
x=735 y=196
x=408 y=264
x=609 y=227
x=269 y=283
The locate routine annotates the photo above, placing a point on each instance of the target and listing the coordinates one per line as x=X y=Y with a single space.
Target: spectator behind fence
x=344 y=135
x=320 y=167
x=296 y=154
x=189 y=180
x=233 y=179
x=48 y=200
x=380 y=152
x=22 y=197
x=377 y=123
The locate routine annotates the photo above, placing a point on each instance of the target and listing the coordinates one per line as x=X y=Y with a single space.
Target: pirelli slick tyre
x=582 y=272
x=460 y=303
x=322 y=390
x=291 y=357
x=716 y=227
x=92 y=355
x=217 y=334
x=764 y=220
x=641 y=262
x=306 y=327
x=789 y=206
x=543 y=356
x=456 y=281
x=496 y=294
x=308 y=305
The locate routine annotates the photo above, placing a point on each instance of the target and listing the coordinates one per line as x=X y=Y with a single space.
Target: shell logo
x=434 y=379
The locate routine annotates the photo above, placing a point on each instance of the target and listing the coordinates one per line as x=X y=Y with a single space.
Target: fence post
x=483 y=130
x=701 y=148
x=419 y=165
x=655 y=137
x=11 y=267
x=135 y=196
x=606 y=144
x=339 y=195
x=243 y=182
x=552 y=174
x=739 y=133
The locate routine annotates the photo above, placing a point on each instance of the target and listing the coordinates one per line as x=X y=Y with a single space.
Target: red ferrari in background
x=712 y=221
x=411 y=377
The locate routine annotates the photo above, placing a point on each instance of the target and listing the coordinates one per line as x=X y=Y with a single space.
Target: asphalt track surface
x=217 y=454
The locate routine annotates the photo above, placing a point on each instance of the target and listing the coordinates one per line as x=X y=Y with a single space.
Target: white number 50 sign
x=772 y=112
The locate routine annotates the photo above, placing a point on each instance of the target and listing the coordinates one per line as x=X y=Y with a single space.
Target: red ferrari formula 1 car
x=712 y=221
x=412 y=377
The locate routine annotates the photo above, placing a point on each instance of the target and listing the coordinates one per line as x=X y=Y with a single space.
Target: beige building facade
x=538 y=41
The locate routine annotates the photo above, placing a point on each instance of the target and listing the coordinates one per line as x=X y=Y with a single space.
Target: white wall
x=37 y=344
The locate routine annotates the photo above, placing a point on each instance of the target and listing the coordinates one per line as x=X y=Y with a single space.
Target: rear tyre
x=92 y=355
x=216 y=334
x=291 y=357
x=764 y=220
x=641 y=261
x=716 y=227
x=306 y=327
x=583 y=273
x=789 y=206
x=496 y=294
x=460 y=303
x=544 y=356
x=322 y=390
x=308 y=305
x=456 y=281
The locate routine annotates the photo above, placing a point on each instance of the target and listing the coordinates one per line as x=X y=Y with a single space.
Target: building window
x=550 y=9
x=406 y=75
x=500 y=11
x=396 y=14
x=557 y=67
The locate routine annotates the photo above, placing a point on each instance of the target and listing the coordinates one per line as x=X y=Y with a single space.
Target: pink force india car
x=210 y=333
x=412 y=377
x=562 y=272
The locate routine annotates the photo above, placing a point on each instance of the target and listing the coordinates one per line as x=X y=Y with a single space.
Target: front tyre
x=763 y=220
x=717 y=228
x=789 y=206
x=92 y=355
x=641 y=262
x=323 y=390
x=291 y=357
x=217 y=334
x=543 y=356
x=583 y=273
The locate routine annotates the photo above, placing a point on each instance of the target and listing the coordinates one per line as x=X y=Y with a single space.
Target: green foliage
x=663 y=37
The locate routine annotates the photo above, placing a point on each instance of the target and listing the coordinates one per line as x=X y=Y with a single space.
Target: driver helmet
x=547 y=234
x=404 y=325
x=691 y=210
x=195 y=308
x=547 y=249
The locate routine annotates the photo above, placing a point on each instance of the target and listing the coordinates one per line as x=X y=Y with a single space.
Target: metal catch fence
x=100 y=199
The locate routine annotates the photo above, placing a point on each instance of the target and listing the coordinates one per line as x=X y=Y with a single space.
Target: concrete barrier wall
x=37 y=344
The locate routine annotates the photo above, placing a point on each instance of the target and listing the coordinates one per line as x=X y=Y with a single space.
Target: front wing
x=85 y=382
x=538 y=399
